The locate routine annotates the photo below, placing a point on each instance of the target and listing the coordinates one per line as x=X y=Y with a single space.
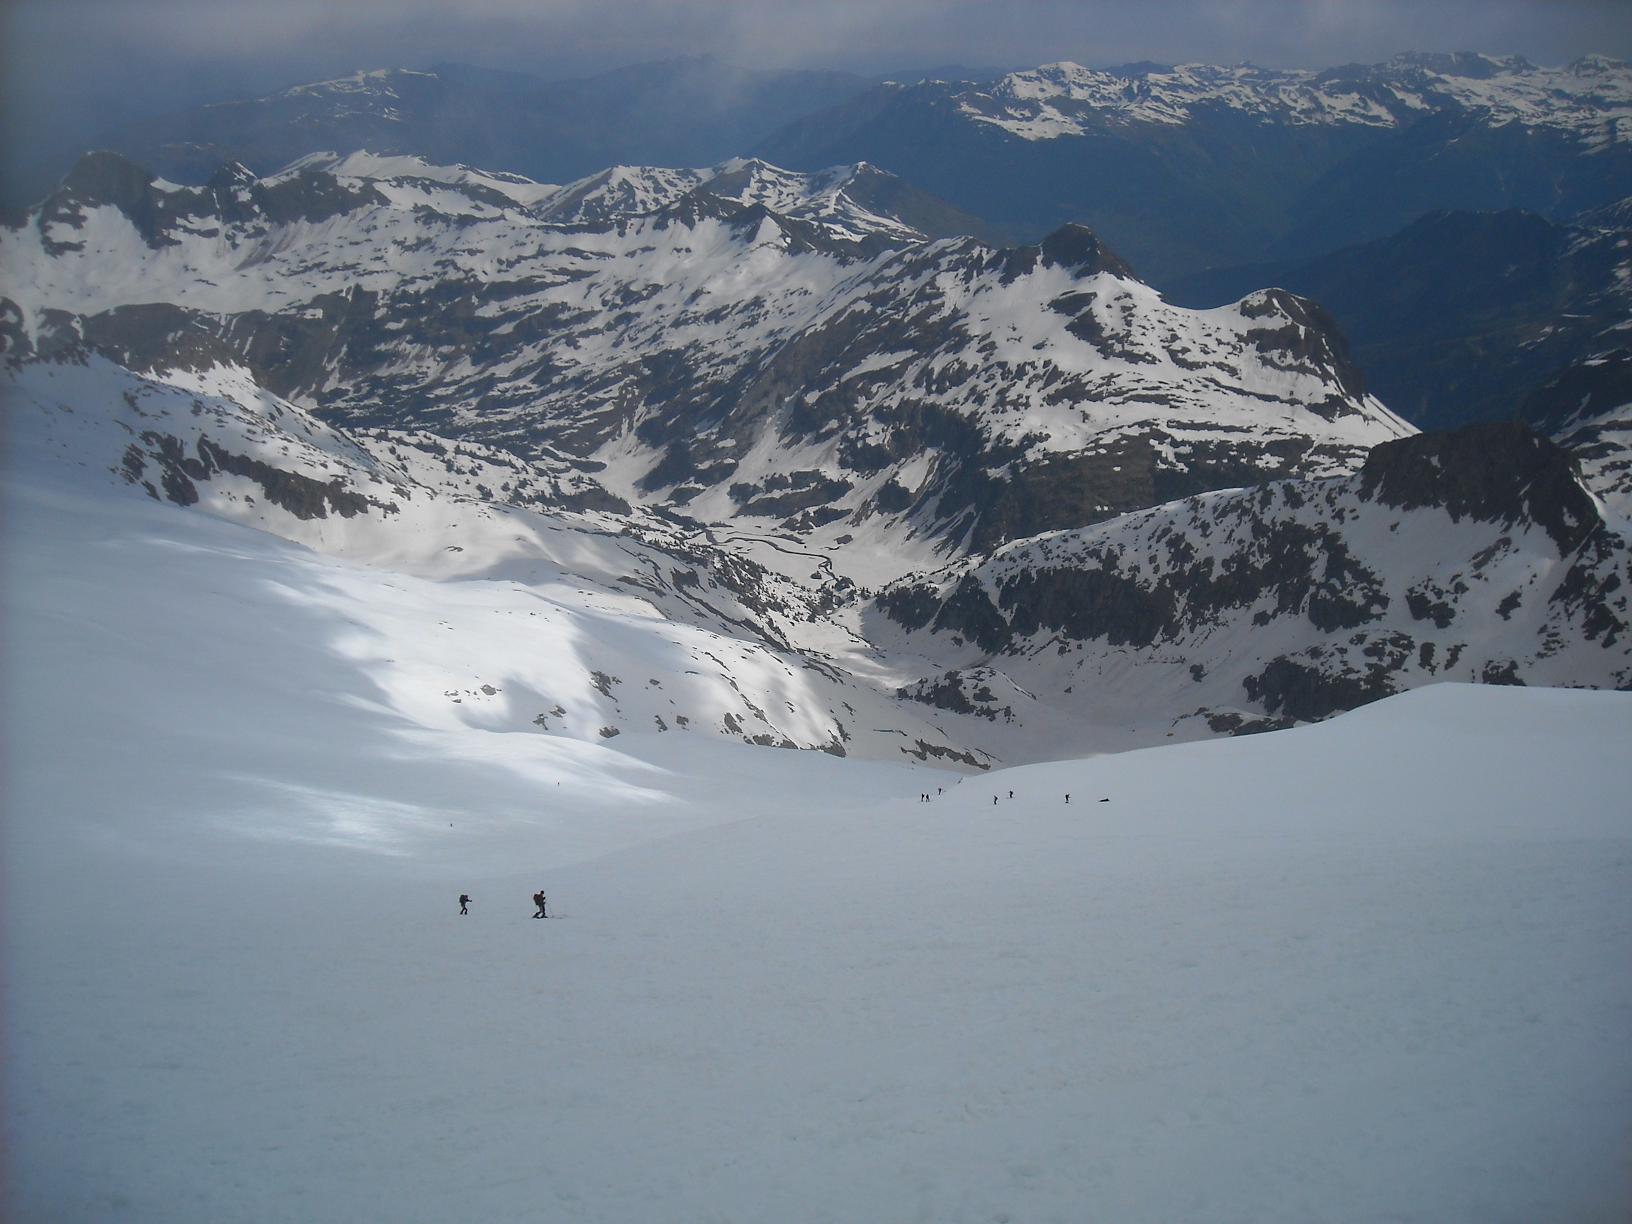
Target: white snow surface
x=411 y=169
x=1370 y=969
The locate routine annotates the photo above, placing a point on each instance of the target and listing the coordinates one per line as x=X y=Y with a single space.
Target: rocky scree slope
x=749 y=344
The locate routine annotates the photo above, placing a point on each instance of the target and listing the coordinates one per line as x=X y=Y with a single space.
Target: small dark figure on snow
x=994 y=800
x=1068 y=798
x=538 y=900
x=1011 y=794
x=463 y=901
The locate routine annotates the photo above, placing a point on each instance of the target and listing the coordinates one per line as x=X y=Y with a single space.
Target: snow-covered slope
x=1474 y=557
x=487 y=595
x=1471 y=556
x=471 y=187
x=1588 y=407
x=1367 y=970
x=763 y=345
x=1603 y=443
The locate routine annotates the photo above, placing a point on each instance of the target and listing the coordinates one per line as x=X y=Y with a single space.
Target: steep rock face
x=743 y=323
x=1474 y=556
x=1582 y=392
x=1501 y=473
x=1199 y=166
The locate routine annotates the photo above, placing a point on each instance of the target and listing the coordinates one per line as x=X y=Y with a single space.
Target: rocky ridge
x=1478 y=555
x=748 y=328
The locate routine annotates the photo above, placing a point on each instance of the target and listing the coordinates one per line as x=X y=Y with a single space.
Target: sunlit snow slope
x=554 y=612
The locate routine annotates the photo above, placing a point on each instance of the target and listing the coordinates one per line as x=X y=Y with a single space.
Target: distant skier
x=1067 y=798
x=463 y=901
x=994 y=800
x=538 y=900
x=1011 y=794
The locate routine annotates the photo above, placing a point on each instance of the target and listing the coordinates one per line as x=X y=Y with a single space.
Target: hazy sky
x=71 y=65
x=49 y=38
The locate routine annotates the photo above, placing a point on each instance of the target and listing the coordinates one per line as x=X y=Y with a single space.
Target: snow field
x=1371 y=969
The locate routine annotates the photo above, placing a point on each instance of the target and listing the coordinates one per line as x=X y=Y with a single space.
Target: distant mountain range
x=1181 y=168
x=684 y=112
x=1198 y=167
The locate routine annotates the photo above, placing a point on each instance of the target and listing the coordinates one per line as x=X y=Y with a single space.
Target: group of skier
x=926 y=797
x=539 y=903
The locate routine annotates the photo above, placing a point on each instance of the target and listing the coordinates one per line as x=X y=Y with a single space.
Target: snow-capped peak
x=1067 y=99
x=408 y=169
